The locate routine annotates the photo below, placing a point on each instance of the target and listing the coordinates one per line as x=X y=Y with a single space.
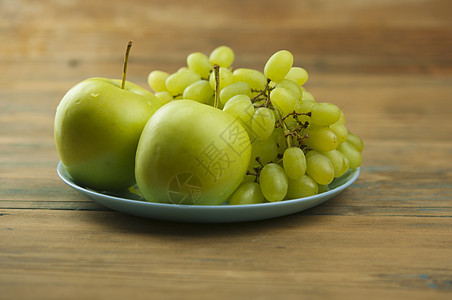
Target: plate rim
x=191 y=212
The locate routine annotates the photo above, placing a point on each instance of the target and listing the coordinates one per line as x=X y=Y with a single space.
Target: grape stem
x=217 y=85
x=258 y=159
x=126 y=59
x=294 y=113
x=264 y=92
x=286 y=130
x=257 y=170
x=256 y=174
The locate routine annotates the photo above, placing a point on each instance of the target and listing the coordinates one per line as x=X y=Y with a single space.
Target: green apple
x=191 y=153
x=97 y=128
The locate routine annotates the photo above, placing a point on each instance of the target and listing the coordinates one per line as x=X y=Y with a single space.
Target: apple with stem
x=97 y=127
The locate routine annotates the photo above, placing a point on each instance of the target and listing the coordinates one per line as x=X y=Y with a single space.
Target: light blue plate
x=131 y=203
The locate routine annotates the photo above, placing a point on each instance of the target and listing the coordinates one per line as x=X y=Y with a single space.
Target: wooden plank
x=386 y=187
x=79 y=254
x=387 y=119
x=390 y=186
x=353 y=37
x=387 y=64
x=387 y=175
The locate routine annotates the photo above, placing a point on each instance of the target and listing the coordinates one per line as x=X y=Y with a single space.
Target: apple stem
x=217 y=85
x=126 y=59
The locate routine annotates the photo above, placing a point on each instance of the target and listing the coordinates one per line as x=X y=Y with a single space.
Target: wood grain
x=111 y=254
x=387 y=64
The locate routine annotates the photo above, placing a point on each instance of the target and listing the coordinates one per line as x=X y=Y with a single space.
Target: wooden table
x=387 y=64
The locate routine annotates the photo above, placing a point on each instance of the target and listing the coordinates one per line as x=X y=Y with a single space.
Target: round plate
x=132 y=204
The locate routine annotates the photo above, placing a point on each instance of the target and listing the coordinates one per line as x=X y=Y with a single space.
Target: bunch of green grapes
x=298 y=145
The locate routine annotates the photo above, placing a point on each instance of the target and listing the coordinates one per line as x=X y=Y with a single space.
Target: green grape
x=199 y=63
x=303 y=187
x=241 y=108
x=278 y=65
x=291 y=123
x=239 y=97
x=319 y=167
x=294 y=163
x=263 y=123
x=341 y=119
x=249 y=178
x=247 y=193
x=306 y=96
x=321 y=138
x=291 y=86
x=157 y=79
x=211 y=102
x=236 y=88
x=280 y=140
x=165 y=96
x=323 y=188
x=225 y=78
x=255 y=79
x=339 y=161
x=274 y=182
x=340 y=130
x=283 y=100
x=355 y=141
x=177 y=82
x=325 y=114
x=222 y=56
x=305 y=106
x=266 y=151
x=297 y=75
x=353 y=155
x=199 y=91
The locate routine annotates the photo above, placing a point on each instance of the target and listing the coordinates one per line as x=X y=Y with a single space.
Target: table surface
x=387 y=64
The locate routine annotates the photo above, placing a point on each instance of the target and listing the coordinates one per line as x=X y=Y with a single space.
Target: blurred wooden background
x=387 y=64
